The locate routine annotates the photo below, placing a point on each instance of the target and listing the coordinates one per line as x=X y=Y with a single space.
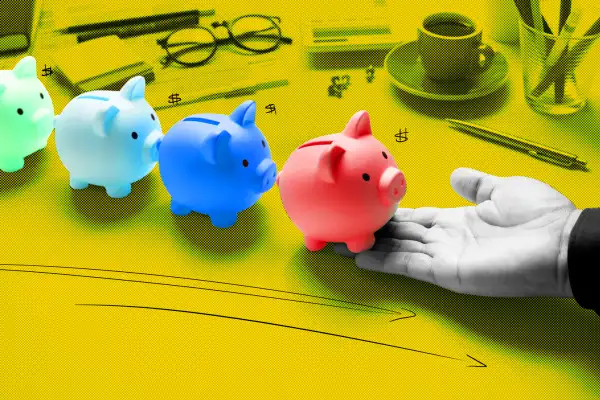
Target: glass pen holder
x=558 y=72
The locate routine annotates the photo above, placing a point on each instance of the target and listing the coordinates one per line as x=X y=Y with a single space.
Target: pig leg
x=361 y=244
x=314 y=244
x=77 y=183
x=179 y=209
x=12 y=164
x=224 y=220
x=118 y=192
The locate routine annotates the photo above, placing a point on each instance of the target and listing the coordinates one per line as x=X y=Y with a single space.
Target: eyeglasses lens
x=191 y=45
x=256 y=33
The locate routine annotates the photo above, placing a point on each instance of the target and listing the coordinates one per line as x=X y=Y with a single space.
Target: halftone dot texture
x=533 y=348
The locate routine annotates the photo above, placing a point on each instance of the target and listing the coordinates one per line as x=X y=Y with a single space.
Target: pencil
x=559 y=83
x=524 y=8
x=537 y=15
x=579 y=48
x=553 y=62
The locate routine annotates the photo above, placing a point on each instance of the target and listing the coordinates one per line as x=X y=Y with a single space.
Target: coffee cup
x=450 y=47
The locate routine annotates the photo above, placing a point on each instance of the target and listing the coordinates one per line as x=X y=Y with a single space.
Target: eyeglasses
x=193 y=47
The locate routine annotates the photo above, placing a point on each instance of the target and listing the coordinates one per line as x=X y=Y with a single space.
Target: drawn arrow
x=347 y=304
x=298 y=328
x=479 y=363
x=342 y=304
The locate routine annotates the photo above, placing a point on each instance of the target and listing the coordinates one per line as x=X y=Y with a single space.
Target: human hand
x=513 y=243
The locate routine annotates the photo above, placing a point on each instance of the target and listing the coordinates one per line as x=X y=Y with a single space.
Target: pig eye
x=42 y=95
x=134 y=135
x=263 y=143
x=384 y=155
x=153 y=117
x=366 y=177
x=20 y=111
x=245 y=163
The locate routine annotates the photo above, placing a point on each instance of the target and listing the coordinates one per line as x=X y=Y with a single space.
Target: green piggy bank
x=26 y=114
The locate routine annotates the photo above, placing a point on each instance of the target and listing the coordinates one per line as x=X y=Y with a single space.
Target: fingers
x=403 y=230
x=398 y=236
x=390 y=245
x=473 y=185
x=424 y=216
x=413 y=265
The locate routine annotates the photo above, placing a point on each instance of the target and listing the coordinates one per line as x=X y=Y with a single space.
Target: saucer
x=403 y=65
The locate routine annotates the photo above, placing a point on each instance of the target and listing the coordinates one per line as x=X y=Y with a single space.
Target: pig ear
x=2 y=88
x=359 y=125
x=104 y=120
x=26 y=68
x=329 y=162
x=245 y=114
x=215 y=147
x=134 y=89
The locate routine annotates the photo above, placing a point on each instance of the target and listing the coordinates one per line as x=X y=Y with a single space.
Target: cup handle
x=488 y=55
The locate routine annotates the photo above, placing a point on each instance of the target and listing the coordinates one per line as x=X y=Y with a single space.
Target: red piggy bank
x=341 y=187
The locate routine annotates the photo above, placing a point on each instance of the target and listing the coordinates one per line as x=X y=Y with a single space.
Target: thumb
x=490 y=214
x=473 y=185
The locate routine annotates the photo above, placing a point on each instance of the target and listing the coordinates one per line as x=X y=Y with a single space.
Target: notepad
x=367 y=25
x=100 y=64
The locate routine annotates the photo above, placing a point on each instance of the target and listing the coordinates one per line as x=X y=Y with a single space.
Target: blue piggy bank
x=109 y=138
x=216 y=164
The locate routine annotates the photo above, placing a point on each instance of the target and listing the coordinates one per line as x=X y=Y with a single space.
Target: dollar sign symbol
x=402 y=136
x=46 y=71
x=174 y=98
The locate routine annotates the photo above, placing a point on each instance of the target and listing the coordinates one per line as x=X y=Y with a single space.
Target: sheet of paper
x=97 y=63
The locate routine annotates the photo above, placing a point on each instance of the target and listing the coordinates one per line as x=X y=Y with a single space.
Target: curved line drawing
x=380 y=309
x=373 y=309
x=298 y=328
x=201 y=288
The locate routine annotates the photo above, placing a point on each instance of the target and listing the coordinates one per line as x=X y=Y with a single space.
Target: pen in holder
x=558 y=67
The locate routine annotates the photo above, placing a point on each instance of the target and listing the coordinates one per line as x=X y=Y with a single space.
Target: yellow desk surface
x=105 y=298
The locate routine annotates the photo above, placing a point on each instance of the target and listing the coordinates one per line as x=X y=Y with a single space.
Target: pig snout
x=151 y=146
x=266 y=173
x=392 y=186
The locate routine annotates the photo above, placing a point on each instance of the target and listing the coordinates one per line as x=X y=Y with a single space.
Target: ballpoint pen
x=536 y=150
x=124 y=32
x=135 y=21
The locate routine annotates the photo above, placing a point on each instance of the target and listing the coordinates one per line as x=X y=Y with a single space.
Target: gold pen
x=536 y=150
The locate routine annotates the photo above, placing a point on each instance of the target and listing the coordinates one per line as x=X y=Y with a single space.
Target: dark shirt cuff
x=583 y=259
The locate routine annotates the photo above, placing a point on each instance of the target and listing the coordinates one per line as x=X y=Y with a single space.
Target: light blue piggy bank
x=216 y=164
x=26 y=114
x=109 y=138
